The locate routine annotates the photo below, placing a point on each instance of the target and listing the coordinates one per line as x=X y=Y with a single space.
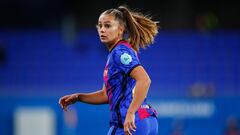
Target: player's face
x=109 y=29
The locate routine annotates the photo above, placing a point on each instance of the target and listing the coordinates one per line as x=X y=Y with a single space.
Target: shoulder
x=123 y=48
x=124 y=54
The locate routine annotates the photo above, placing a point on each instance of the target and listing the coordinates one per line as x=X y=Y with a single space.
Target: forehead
x=106 y=18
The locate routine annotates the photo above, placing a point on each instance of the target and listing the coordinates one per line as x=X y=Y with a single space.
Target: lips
x=102 y=36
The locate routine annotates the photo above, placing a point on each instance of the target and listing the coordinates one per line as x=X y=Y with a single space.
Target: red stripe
x=125 y=43
x=108 y=86
x=143 y=113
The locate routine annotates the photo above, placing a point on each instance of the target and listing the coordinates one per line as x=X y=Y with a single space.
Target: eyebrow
x=106 y=22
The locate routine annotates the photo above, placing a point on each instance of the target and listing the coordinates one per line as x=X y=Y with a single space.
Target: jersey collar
x=118 y=43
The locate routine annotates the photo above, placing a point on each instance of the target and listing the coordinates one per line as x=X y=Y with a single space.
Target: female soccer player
x=126 y=83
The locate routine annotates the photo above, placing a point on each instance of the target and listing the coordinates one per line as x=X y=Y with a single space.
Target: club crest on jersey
x=125 y=59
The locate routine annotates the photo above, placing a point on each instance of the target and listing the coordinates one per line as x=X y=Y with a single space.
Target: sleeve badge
x=125 y=59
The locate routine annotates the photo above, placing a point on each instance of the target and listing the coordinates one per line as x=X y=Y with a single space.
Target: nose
x=102 y=30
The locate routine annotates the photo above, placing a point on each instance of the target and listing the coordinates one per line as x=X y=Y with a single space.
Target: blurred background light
x=51 y=48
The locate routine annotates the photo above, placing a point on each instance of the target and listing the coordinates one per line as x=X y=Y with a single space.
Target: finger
x=63 y=98
x=60 y=102
x=64 y=105
x=127 y=131
x=61 y=105
x=130 y=126
x=133 y=126
x=65 y=108
x=132 y=129
x=68 y=99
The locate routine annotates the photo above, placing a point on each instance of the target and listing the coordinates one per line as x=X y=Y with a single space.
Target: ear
x=121 y=29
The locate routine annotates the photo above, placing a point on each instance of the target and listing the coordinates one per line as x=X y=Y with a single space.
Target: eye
x=107 y=25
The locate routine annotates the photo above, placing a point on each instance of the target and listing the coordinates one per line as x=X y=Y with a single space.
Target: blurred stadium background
x=50 y=48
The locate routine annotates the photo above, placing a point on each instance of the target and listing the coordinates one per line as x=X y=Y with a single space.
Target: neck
x=111 y=46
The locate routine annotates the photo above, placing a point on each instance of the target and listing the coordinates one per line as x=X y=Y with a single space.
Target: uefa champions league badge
x=125 y=59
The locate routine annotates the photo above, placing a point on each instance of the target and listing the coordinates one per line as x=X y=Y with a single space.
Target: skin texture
x=110 y=32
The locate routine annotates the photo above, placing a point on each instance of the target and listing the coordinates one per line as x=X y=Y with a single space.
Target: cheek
x=98 y=31
x=113 y=32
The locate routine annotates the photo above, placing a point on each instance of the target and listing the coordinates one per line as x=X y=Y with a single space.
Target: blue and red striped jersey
x=120 y=87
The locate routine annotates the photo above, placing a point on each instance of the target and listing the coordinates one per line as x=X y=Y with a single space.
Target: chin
x=104 y=41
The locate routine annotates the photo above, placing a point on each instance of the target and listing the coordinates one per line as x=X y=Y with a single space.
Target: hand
x=129 y=123
x=68 y=100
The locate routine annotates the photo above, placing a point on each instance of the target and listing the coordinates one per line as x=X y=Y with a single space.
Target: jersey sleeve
x=125 y=59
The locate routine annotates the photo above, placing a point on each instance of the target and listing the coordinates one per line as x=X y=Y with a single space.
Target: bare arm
x=142 y=85
x=98 y=97
x=141 y=89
